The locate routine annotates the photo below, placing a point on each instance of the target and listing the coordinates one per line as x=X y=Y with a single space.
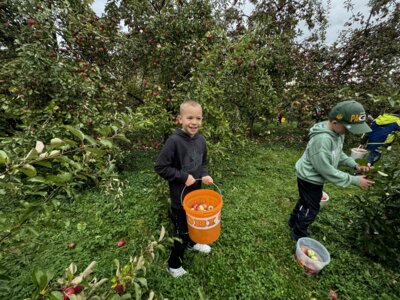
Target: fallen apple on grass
x=332 y=295
x=119 y=288
x=121 y=243
x=68 y=291
x=71 y=245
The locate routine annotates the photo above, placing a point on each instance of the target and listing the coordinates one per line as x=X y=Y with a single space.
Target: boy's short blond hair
x=188 y=103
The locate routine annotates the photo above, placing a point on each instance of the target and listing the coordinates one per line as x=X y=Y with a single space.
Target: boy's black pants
x=178 y=217
x=306 y=209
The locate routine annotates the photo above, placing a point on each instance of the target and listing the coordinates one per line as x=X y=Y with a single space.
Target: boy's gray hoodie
x=323 y=155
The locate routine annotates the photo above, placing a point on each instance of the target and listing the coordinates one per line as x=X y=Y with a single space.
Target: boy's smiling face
x=191 y=117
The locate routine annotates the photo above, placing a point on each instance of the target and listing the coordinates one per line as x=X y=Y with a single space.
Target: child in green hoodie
x=319 y=163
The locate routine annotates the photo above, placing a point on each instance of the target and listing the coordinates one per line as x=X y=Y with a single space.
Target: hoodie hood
x=386 y=119
x=183 y=134
x=320 y=128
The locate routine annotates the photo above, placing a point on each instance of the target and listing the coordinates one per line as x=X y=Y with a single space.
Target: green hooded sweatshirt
x=324 y=153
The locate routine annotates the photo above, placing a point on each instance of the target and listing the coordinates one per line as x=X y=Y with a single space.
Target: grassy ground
x=254 y=257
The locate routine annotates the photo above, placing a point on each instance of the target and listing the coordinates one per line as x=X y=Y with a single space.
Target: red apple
x=119 y=288
x=68 y=291
x=78 y=289
x=332 y=295
x=31 y=22
x=71 y=245
x=121 y=243
x=155 y=94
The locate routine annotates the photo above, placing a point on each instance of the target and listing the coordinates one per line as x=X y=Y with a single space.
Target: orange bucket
x=204 y=225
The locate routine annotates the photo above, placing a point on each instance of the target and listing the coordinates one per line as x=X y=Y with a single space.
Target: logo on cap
x=358 y=118
x=339 y=116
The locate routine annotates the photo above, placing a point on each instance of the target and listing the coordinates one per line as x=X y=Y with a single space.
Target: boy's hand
x=207 y=180
x=363 y=168
x=365 y=183
x=190 y=180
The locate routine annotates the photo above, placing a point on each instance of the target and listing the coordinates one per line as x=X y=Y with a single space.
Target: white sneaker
x=203 y=248
x=176 y=272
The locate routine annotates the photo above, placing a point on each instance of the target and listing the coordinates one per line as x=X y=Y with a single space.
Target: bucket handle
x=219 y=190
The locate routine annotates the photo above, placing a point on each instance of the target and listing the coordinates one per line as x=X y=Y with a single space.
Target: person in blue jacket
x=384 y=128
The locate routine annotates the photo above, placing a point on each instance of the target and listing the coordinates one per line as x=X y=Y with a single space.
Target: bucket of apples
x=324 y=199
x=311 y=255
x=202 y=206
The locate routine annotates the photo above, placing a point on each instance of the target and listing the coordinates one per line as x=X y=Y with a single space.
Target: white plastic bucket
x=324 y=200
x=358 y=153
x=309 y=265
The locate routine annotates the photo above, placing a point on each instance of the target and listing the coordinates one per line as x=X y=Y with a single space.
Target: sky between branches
x=338 y=15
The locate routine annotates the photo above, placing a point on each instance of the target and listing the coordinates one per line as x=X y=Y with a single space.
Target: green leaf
x=34 y=232
x=70 y=142
x=60 y=178
x=3 y=157
x=106 y=143
x=32 y=154
x=122 y=137
x=113 y=297
x=36 y=274
x=56 y=142
x=37 y=179
x=28 y=170
x=95 y=151
x=76 y=132
x=142 y=281
x=56 y=295
x=138 y=291
x=44 y=163
x=90 y=139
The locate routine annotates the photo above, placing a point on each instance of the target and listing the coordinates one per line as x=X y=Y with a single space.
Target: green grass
x=253 y=258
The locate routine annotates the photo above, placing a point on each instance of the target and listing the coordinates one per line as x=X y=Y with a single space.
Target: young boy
x=320 y=160
x=385 y=128
x=182 y=160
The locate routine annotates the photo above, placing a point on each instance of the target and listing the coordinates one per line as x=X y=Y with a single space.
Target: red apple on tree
x=31 y=22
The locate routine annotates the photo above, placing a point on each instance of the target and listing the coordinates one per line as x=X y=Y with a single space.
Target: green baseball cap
x=352 y=115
